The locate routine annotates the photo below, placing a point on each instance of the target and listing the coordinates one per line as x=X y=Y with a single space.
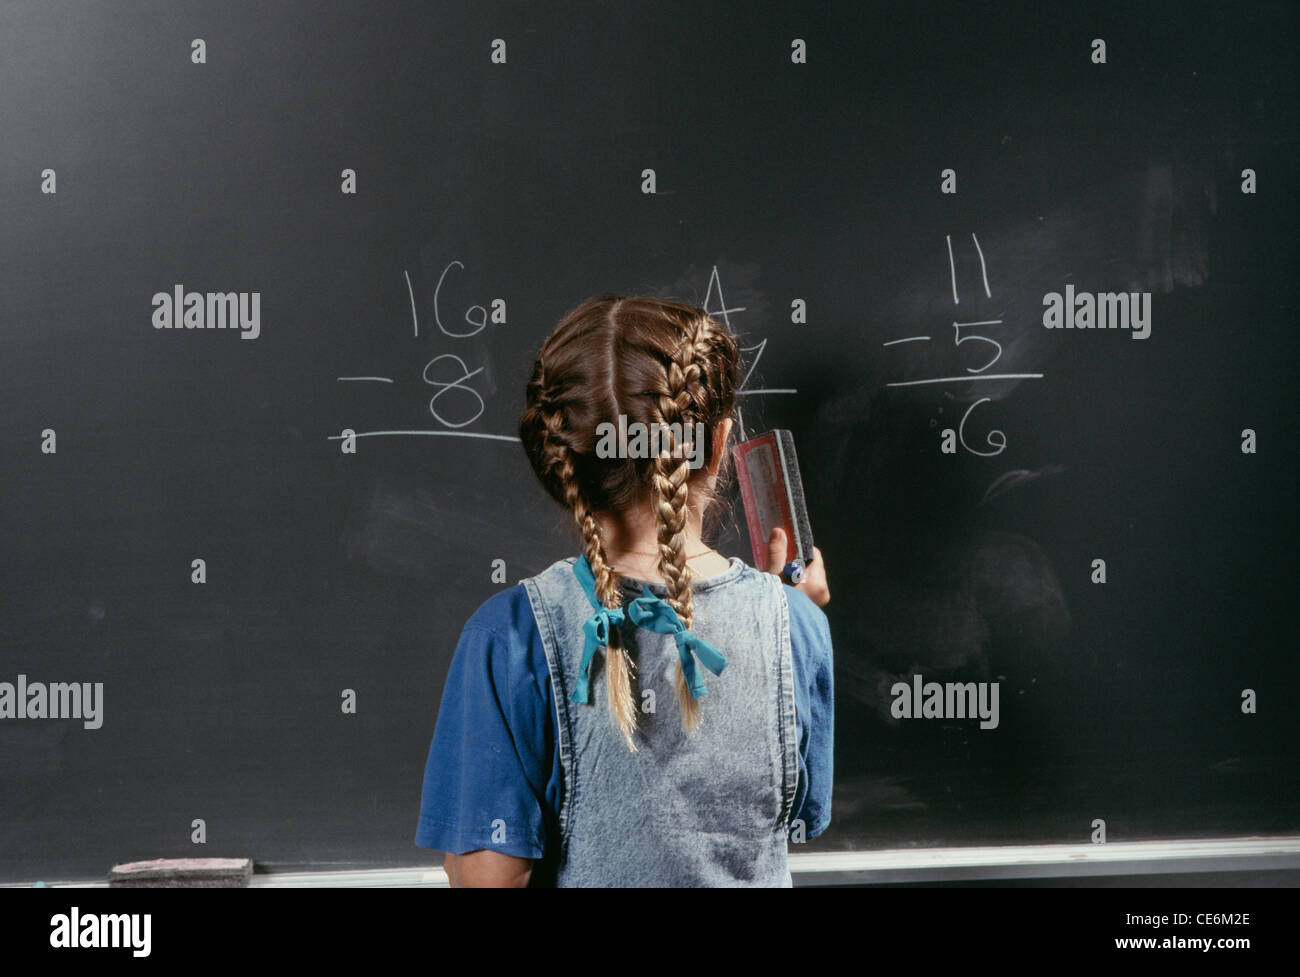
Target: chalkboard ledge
x=1226 y=861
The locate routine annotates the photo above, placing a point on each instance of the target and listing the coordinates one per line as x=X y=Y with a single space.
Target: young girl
x=579 y=742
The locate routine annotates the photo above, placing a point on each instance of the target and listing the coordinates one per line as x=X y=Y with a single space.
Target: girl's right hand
x=814 y=575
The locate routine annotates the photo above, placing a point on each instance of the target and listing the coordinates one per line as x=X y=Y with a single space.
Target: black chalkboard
x=491 y=198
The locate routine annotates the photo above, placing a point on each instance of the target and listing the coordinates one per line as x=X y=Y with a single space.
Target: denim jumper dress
x=709 y=808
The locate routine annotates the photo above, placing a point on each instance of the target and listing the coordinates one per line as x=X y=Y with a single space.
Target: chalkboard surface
x=412 y=212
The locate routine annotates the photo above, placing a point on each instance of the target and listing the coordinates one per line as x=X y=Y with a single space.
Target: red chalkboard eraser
x=767 y=471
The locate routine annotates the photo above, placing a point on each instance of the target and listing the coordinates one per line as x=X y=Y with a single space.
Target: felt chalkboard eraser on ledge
x=183 y=873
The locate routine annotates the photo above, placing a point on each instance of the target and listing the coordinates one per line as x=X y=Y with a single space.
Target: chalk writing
x=723 y=315
x=447 y=373
x=996 y=439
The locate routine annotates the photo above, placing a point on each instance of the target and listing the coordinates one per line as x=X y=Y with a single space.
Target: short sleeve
x=486 y=776
x=813 y=660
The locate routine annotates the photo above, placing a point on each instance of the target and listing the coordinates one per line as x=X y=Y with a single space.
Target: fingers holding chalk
x=810 y=578
x=814 y=580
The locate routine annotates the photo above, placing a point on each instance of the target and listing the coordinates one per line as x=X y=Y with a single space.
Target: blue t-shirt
x=493 y=754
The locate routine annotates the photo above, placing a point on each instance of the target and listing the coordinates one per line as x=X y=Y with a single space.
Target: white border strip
x=1048 y=861
x=908 y=864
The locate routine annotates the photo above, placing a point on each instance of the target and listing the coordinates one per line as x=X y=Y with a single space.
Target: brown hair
x=654 y=361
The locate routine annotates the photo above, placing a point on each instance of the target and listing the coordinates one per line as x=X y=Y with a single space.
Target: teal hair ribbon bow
x=656 y=614
x=596 y=630
x=648 y=611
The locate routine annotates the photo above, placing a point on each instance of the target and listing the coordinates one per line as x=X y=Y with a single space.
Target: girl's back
x=707 y=808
